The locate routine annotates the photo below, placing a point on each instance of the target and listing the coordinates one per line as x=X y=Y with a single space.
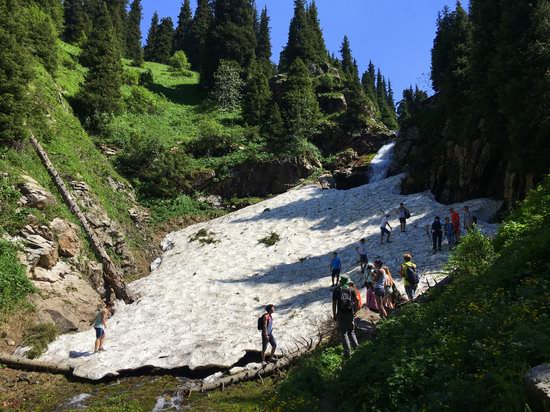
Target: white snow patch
x=199 y=308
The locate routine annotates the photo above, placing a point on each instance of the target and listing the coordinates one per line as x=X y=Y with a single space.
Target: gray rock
x=537 y=388
x=35 y=195
x=333 y=103
x=155 y=265
x=67 y=237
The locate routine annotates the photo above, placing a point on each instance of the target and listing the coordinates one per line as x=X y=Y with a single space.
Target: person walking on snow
x=468 y=218
x=380 y=282
x=267 y=332
x=449 y=232
x=335 y=268
x=384 y=230
x=404 y=214
x=408 y=274
x=455 y=220
x=437 y=234
x=361 y=250
x=344 y=307
x=100 y=324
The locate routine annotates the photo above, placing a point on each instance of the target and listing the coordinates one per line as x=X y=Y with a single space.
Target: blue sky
x=397 y=35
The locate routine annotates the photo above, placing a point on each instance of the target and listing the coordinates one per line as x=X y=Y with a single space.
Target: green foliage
x=263 y=47
x=181 y=36
x=133 y=35
x=470 y=345
x=164 y=210
x=141 y=101
x=198 y=34
x=75 y=21
x=100 y=93
x=178 y=62
x=149 y=52
x=270 y=239
x=227 y=91
x=14 y=284
x=41 y=38
x=164 y=41
x=38 y=338
x=257 y=95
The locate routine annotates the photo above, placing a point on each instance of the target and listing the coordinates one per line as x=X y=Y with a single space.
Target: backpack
x=407 y=214
x=261 y=322
x=412 y=276
x=347 y=303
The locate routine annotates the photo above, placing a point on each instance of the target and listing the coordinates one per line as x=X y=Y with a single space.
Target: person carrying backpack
x=437 y=234
x=265 y=324
x=404 y=214
x=409 y=275
x=335 y=268
x=344 y=307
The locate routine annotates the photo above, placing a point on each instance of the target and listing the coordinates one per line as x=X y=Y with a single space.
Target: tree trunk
x=111 y=274
x=17 y=362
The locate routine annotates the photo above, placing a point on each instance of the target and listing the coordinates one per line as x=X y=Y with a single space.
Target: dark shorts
x=379 y=292
x=384 y=230
x=99 y=332
x=403 y=220
x=364 y=258
x=269 y=339
x=335 y=272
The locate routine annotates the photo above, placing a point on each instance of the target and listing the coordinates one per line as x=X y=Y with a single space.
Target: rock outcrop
x=333 y=103
x=537 y=388
x=67 y=237
x=34 y=195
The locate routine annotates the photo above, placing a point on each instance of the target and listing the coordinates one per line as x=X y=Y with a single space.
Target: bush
x=146 y=78
x=178 y=62
x=131 y=77
x=227 y=91
x=14 y=284
x=141 y=101
x=38 y=338
x=215 y=140
x=271 y=239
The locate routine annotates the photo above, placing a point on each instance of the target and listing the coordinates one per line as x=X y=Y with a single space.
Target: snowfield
x=199 y=307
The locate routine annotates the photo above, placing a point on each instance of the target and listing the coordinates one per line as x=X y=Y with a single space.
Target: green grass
x=14 y=284
x=270 y=239
x=38 y=338
x=469 y=347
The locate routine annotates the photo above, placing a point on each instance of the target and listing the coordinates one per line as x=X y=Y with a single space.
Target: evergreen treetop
x=134 y=50
x=185 y=17
x=149 y=50
x=263 y=48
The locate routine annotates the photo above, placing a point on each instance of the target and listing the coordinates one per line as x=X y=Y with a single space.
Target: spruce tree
x=133 y=38
x=227 y=87
x=182 y=30
x=149 y=50
x=41 y=36
x=75 y=21
x=164 y=41
x=263 y=48
x=118 y=16
x=257 y=94
x=273 y=130
x=301 y=44
x=232 y=37
x=100 y=92
x=15 y=75
x=316 y=33
x=299 y=104
x=347 y=59
x=198 y=34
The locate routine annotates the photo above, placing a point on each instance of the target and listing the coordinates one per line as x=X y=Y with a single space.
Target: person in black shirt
x=437 y=234
x=344 y=307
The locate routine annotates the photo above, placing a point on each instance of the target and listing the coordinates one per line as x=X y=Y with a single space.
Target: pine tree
x=133 y=38
x=263 y=48
x=347 y=59
x=227 y=85
x=256 y=19
x=232 y=37
x=15 y=75
x=198 y=34
x=164 y=41
x=299 y=105
x=257 y=94
x=274 y=131
x=149 y=50
x=100 y=92
x=391 y=101
x=41 y=36
x=75 y=21
x=301 y=44
x=387 y=116
x=118 y=16
x=316 y=33
x=182 y=30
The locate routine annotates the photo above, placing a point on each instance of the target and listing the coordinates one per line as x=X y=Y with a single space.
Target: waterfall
x=381 y=163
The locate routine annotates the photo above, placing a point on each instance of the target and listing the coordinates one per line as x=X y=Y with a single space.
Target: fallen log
x=17 y=362
x=111 y=273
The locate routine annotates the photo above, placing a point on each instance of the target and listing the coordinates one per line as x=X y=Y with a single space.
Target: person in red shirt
x=455 y=220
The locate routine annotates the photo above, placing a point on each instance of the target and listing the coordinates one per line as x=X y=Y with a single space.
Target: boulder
x=34 y=195
x=40 y=248
x=67 y=237
x=333 y=103
x=327 y=181
x=537 y=388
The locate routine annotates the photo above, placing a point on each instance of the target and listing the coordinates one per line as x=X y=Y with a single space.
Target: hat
x=344 y=280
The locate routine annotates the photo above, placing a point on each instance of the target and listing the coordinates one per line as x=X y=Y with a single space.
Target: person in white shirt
x=361 y=250
x=384 y=224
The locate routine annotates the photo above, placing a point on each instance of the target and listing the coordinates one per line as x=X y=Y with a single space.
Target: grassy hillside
x=467 y=349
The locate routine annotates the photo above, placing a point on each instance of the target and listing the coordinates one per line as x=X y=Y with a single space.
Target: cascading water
x=380 y=164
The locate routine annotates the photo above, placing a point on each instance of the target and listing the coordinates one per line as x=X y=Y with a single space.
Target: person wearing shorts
x=384 y=224
x=402 y=211
x=100 y=323
x=267 y=332
x=335 y=268
x=361 y=250
x=380 y=281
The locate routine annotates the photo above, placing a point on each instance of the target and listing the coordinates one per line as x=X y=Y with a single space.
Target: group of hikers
x=382 y=293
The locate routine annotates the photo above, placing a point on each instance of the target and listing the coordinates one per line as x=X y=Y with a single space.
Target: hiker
x=388 y=288
x=409 y=276
x=369 y=284
x=404 y=214
x=449 y=232
x=384 y=230
x=361 y=250
x=380 y=281
x=267 y=332
x=468 y=218
x=100 y=324
x=335 y=268
x=455 y=220
x=437 y=234
x=344 y=307
x=357 y=294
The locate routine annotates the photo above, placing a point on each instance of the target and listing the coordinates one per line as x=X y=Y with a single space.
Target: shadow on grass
x=186 y=94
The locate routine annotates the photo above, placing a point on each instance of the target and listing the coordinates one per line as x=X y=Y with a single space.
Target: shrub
x=215 y=140
x=178 y=62
x=271 y=239
x=146 y=78
x=14 y=284
x=39 y=337
x=131 y=77
x=473 y=255
x=227 y=91
x=141 y=101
